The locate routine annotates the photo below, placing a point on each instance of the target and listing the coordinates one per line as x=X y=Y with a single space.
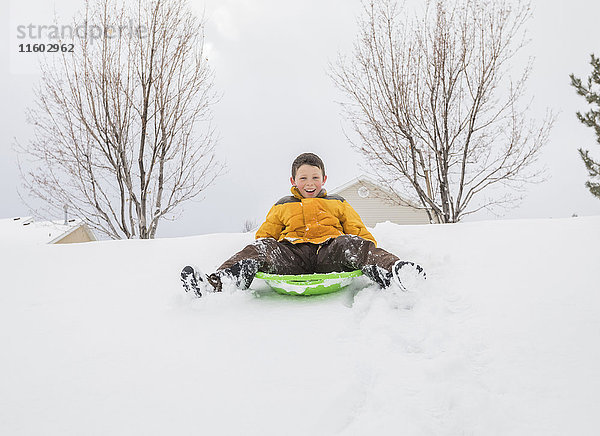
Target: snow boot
x=408 y=275
x=379 y=275
x=194 y=281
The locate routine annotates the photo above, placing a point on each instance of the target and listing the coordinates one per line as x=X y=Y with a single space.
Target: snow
x=99 y=338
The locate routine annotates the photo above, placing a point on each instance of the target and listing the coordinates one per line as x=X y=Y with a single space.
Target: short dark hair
x=307 y=159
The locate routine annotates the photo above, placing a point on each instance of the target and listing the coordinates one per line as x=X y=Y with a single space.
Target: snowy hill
x=99 y=339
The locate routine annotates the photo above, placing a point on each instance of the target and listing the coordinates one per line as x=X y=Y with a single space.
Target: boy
x=307 y=232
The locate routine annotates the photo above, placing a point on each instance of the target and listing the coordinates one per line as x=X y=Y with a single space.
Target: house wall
x=375 y=209
x=77 y=235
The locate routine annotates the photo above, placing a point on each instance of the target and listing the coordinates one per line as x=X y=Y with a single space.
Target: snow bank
x=99 y=338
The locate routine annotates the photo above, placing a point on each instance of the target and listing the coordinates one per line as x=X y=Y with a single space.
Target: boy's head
x=307 y=159
x=308 y=174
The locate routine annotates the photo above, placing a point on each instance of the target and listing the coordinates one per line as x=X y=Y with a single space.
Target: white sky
x=270 y=59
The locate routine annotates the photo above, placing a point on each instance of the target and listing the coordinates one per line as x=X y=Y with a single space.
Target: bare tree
x=249 y=225
x=122 y=132
x=435 y=109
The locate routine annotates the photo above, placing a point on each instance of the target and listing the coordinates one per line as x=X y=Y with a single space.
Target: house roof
x=366 y=179
x=26 y=230
x=359 y=179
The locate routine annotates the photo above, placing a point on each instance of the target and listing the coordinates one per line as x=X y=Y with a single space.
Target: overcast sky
x=270 y=60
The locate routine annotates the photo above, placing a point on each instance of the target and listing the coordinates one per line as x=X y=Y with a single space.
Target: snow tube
x=308 y=284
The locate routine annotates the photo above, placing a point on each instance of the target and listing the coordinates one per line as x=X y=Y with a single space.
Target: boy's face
x=309 y=180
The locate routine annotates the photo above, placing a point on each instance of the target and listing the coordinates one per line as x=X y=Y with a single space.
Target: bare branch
x=122 y=127
x=436 y=111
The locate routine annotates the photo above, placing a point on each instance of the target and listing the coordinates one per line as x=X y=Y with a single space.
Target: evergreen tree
x=591 y=91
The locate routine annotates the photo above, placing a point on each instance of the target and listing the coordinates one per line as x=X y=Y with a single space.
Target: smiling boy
x=307 y=232
x=309 y=180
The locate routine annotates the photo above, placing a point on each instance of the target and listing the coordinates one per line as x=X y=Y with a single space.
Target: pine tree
x=591 y=91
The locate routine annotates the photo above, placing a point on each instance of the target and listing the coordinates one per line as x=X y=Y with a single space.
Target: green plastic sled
x=308 y=284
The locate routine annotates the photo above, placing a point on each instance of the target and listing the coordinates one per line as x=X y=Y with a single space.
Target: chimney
x=66 y=208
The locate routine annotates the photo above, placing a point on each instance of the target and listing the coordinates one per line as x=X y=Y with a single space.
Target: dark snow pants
x=344 y=253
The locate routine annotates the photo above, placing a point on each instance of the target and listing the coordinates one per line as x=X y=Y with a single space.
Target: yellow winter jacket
x=315 y=220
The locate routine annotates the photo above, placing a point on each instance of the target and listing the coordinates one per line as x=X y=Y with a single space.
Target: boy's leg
x=349 y=252
x=266 y=255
